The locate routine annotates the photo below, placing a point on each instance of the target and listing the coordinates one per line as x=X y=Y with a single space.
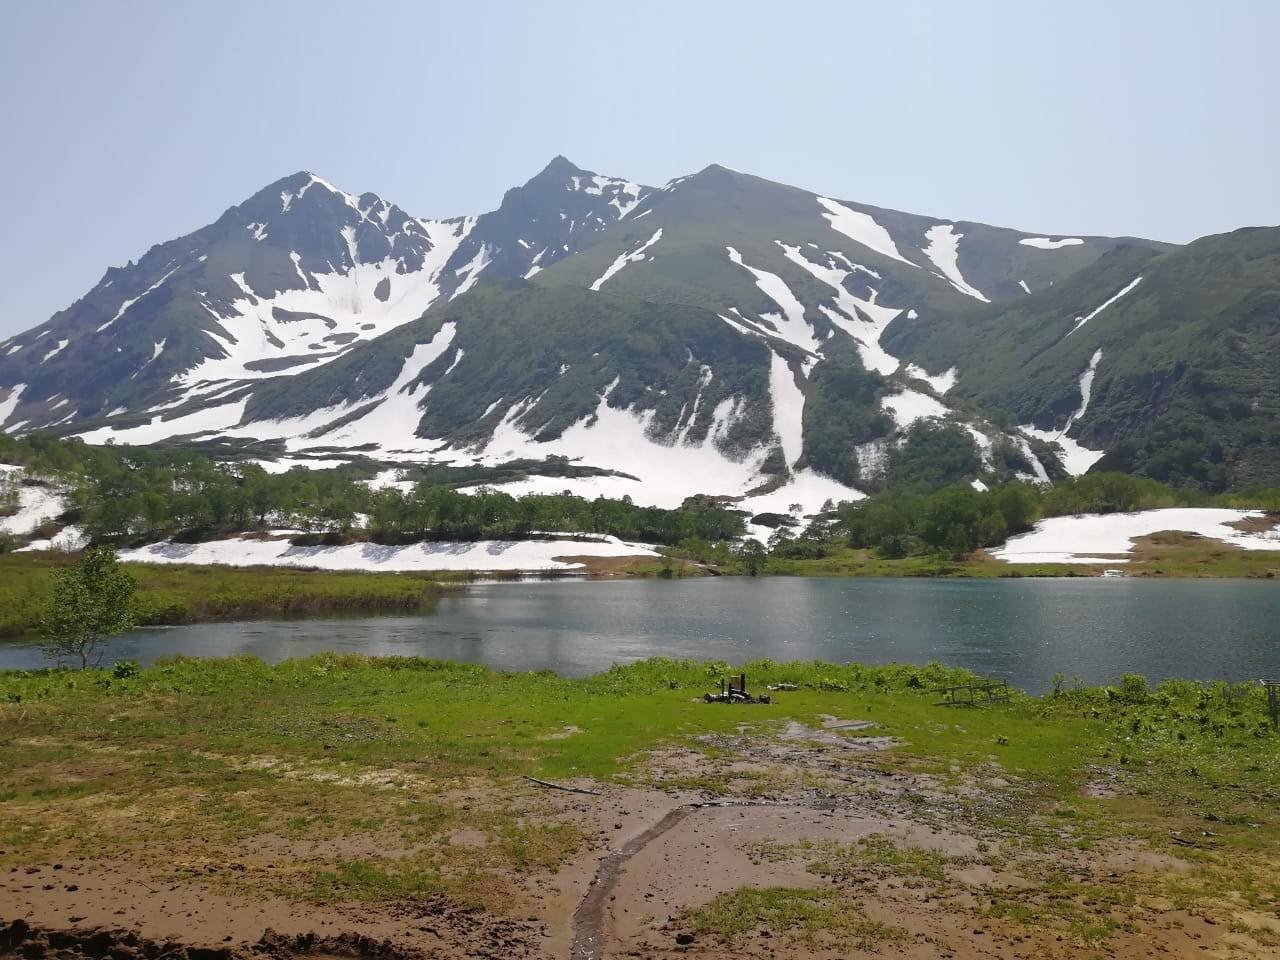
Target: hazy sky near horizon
x=128 y=124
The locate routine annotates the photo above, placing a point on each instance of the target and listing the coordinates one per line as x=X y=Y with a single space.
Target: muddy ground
x=875 y=861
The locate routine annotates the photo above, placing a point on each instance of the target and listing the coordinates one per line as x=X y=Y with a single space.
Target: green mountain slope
x=1187 y=386
x=551 y=354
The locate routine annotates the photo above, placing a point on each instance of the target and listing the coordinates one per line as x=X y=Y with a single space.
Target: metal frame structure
x=1273 y=700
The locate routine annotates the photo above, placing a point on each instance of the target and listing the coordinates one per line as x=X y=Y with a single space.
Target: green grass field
x=1208 y=749
x=179 y=593
x=362 y=772
x=1160 y=555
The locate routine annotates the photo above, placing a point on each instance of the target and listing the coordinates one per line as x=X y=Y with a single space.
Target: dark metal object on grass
x=974 y=694
x=1273 y=700
x=735 y=691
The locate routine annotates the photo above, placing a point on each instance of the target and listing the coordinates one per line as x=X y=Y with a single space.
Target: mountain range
x=721 y=335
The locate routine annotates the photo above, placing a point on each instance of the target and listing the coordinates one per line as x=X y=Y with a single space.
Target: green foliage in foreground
x=463 y=718
x=178 y=593
x=90 y=602
x=818 y=917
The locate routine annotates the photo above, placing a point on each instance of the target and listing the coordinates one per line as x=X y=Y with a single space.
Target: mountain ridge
x=309 y=315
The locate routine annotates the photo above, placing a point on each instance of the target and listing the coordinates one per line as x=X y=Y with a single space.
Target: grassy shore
x=179 y=593
x=1172 y=554
x=346 y=780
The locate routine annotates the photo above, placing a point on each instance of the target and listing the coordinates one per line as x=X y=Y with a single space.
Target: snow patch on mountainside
x=1086 y=388
x=808 y=489
x=35 y=506
x=1076 y=459
x=635 y=256
x=863 y=319
x=470 y=271
x=941 y=382
x=862 y=228
x=285 y=464
x=478 y=555
x=664 y=473
x=790 y=323
x=1081 y=321
x=62 y=345
x=788 y=408
x=1045 y=243
x=623 y=194
x=67 y=540
x=10 y=402
x=337 y=309
x=391 y=424
x=130 y=302
x=984 y=442
x=873 y=458
x=620 y=439
x=215 y=419
x=1038 y=473
x=944 y=251
x=1082 y=538
x=910 y=405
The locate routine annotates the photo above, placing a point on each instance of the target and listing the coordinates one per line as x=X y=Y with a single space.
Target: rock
x=684 y=939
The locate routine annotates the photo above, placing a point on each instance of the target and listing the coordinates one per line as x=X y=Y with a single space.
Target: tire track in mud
x=589 y=919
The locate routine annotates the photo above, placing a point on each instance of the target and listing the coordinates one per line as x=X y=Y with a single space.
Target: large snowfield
x=1089 y=538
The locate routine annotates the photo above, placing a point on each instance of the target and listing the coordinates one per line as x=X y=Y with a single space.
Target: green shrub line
x=169 y=595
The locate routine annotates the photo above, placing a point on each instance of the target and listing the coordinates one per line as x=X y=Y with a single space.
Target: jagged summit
x=559 y=166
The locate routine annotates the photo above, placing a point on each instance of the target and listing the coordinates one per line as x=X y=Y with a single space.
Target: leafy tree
x=935 y=455
x=90 y=602
x=752 y=556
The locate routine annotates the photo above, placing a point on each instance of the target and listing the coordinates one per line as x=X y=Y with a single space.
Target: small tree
x=751 y=555
x=90 y=602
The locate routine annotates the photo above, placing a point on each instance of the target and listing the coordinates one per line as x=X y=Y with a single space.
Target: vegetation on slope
x=141 y=494
x=951 y=523
x=1185 y=391
x=559 y=349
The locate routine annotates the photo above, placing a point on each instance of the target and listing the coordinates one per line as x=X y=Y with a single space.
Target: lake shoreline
x=175 y=593
x=1022 y=630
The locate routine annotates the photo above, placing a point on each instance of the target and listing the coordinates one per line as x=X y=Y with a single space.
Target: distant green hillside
x=1187 y=388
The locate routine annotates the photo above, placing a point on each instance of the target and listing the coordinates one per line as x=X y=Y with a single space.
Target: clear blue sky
x=130 y=123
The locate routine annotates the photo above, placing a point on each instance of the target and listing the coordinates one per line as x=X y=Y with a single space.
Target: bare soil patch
x=915 y=864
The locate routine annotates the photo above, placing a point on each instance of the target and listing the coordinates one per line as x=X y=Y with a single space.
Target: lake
x=1023 y=631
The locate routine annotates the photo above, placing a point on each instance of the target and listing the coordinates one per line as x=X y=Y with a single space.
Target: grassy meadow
x=188 y=761
x=1169 y=554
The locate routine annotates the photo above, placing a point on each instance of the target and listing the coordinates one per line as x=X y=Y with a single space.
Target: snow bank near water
x=478 y=555
x=1082 y=538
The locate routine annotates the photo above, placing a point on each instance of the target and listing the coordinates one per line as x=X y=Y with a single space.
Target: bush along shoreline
x=169 y=595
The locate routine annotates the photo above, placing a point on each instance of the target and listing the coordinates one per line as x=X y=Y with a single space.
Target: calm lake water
x=1020 y=630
